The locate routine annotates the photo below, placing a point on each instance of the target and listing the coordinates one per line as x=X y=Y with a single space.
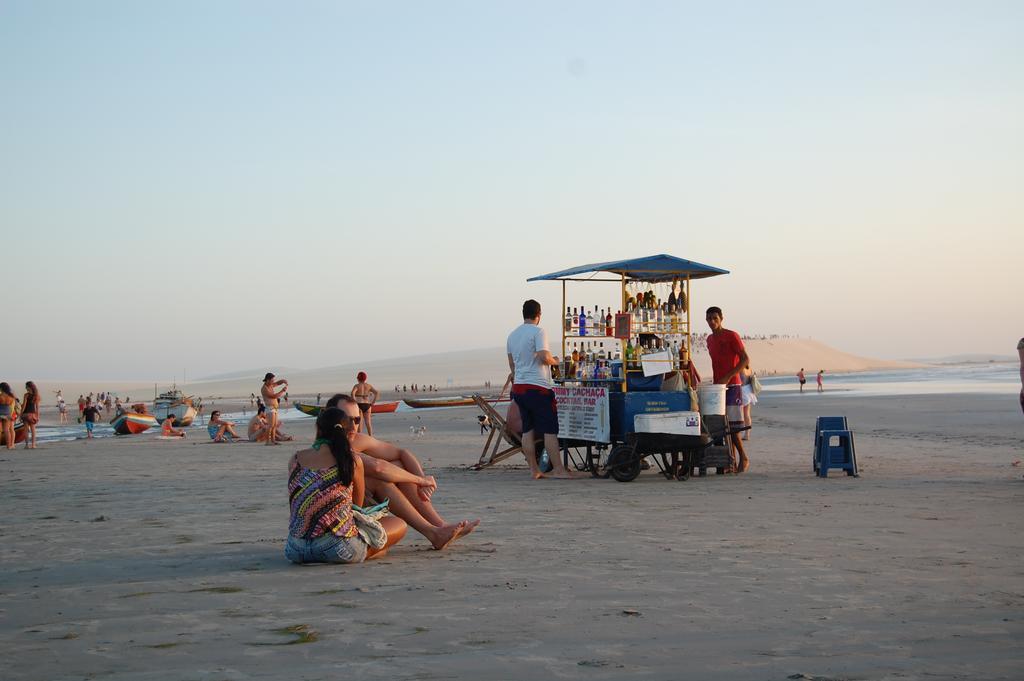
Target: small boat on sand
x=457 y=401
x=133 y=423
x=378 y=408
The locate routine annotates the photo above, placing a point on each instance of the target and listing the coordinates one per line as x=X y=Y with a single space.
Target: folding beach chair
x=842 y=455
x=500 y=432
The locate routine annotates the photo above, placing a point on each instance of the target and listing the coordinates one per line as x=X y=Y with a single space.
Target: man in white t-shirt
x=530 y=362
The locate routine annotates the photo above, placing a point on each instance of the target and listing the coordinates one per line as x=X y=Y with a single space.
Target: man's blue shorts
x=537 y=408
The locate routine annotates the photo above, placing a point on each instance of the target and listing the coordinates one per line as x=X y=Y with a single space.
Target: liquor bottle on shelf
x=568 y=320
x=590 y=322
x=609 y=324
x=629 y=352
x=581 y=322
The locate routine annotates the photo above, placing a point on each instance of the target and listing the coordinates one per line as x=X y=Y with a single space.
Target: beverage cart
x=613 y=365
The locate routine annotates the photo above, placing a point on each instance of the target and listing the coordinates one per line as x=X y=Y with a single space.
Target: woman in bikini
x=30 y=413
x=7 y=402
x=365 y=395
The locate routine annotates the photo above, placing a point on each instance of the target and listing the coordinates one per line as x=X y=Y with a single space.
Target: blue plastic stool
x=825 y=423
x=842 y=455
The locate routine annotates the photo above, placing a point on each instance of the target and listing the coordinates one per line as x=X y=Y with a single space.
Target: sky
x=197 y=188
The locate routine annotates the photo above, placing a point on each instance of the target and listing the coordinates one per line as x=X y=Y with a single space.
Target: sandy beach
x=138 y=558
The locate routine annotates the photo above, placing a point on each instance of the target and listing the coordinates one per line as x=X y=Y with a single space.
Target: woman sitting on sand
x=323 y=483
x=220 y=430
x=167 y=428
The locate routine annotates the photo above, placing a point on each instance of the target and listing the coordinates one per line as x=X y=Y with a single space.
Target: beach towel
x=368 y=524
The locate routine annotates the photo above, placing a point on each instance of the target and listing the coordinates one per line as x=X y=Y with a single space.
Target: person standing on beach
x=91 y=414
x=728 y=357
x=803 y=379
x=1020 y=352
x=365 y=395
x=81 y=407
x=821 y=388
x=270 y=399
x=7 y=401
x=30 y=413
x=530 y=362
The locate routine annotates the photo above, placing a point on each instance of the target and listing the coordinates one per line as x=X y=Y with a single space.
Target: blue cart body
x=624 y=406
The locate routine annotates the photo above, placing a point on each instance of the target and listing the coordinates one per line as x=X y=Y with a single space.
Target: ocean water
x=996 y=378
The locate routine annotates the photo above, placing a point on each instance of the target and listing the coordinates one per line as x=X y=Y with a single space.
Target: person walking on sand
x=802 y=378
x=1020 y=351
x=91 y=414
x=749 y=400
x=7 y=401
x=530 y=362
x=270 y=401
x=728 y=357
x=30 y=413
x=81 y=407
x=821 y=388
x=365 y=395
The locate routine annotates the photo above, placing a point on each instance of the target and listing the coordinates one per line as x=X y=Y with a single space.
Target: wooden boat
x=183 y=407
x=378 y=408
x=308 y=409
x=20 y=433
x=457 y=401
x=132 y=423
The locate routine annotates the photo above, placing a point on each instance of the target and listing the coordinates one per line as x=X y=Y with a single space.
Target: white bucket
x=711 y=397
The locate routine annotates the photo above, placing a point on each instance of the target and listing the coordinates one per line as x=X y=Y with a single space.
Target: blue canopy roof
x=653 y=268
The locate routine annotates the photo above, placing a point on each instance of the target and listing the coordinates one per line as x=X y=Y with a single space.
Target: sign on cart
x=583 y=413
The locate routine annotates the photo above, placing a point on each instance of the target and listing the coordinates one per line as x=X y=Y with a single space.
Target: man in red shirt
x=728 y=357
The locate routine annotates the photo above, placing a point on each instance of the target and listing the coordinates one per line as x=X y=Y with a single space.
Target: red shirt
x=725 y=348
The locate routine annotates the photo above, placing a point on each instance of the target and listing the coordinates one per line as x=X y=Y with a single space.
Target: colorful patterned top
x=320 y=504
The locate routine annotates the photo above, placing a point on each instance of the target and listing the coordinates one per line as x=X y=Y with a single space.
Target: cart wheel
x=623 y=463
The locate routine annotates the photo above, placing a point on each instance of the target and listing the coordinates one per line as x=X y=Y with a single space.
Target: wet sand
x=136 y=558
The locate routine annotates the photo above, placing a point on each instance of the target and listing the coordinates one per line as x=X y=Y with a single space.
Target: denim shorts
x=328 y=548
x=89 y=426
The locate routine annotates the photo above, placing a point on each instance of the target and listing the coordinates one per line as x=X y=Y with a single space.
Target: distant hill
x=250 y=373
x=967 y=359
